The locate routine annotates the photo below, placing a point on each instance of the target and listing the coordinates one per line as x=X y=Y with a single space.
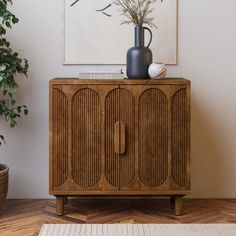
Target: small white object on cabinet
x=157 y=71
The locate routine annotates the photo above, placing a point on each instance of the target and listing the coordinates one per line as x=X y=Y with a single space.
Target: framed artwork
x=94 y=35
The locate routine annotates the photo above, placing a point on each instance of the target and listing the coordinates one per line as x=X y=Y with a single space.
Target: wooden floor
x=25 y=217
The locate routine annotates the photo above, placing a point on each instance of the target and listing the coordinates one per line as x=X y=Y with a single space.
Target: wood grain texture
x=119 y=137
x=25 y=217
x=60 y=205
x=127 y=117
x=76 y=81
x=119 y=128
x=180 y=141
x=21 y=217
x=4 y=182
x=60 y=138
x=86 y=138
x=122 y=137
x=178 y=205
x=112 y=170
x=153 y=137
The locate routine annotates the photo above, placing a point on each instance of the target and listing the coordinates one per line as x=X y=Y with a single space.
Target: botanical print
x=94 y=34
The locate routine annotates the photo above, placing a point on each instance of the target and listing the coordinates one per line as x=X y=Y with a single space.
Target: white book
x=101 y=76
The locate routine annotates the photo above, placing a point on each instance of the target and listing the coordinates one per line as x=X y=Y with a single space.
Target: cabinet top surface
x=75 y=81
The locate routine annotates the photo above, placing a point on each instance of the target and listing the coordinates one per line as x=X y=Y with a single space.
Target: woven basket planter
x=3 y=183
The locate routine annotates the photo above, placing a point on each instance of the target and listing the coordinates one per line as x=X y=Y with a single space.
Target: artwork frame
x=69 y=60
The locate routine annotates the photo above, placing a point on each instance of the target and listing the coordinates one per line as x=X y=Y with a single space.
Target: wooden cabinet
x=119 y=138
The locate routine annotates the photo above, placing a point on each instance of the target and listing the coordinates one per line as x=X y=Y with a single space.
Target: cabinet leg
x=65 y=200
x=178 y=205
x=60 y=206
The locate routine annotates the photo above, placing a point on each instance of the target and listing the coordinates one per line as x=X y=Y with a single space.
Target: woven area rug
x=138 y=230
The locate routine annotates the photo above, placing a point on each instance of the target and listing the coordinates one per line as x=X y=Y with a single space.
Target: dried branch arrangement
x=137 y=11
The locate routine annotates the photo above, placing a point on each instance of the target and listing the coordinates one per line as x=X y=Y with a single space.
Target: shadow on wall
x=209 y=171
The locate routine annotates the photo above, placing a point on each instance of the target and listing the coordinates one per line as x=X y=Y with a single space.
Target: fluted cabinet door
x=112 y=173
x=60 y=129
x=86 y=138
x=119 y=138
x=153 y=138
x=127 y=138
x=180 y=142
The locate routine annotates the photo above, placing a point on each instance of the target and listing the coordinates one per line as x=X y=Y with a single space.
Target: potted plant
x=10 y=65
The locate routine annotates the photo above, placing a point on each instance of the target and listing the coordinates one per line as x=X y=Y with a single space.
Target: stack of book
x=102 y=75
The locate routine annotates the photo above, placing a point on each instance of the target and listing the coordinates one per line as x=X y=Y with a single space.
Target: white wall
x=207 y=39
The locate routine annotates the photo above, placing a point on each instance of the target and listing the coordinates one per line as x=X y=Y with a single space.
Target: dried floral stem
x=137 y=11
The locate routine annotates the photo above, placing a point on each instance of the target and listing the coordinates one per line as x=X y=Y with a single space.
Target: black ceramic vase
x=139 y=57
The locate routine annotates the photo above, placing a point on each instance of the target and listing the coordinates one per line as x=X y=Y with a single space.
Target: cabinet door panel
x=59 y=161
x=180 y=138
x=119 y=138
x=127 y=117
x=111 y=156
x=86 y=137
x=153 y=137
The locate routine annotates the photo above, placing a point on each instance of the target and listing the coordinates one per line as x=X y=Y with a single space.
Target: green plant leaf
x=15 y=20
x=26 y=112
x=2 y=30
x=8 y=24
x=11 y=64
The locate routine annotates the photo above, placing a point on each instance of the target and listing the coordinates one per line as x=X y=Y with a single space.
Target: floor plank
x=25 y=217
x=21 y=217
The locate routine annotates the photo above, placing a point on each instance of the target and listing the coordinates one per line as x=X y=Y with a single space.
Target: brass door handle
x=119 y=137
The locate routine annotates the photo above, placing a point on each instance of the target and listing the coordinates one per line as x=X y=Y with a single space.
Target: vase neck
x=139 y=36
